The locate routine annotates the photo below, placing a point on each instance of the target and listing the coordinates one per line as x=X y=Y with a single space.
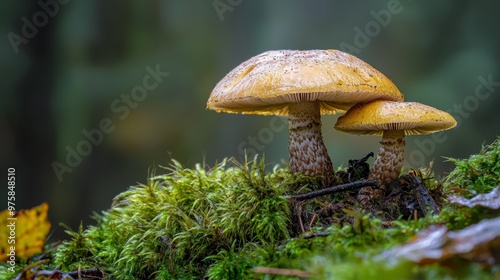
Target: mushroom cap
x=265 y=84
x=375 y=117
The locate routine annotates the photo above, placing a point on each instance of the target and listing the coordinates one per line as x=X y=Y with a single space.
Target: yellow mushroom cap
x=265 y=84
x=374 y=117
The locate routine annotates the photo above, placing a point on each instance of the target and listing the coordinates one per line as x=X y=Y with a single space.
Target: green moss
x=222 y=221
x=479 y=173
x=78 y=251
x=7 y=272
x=183 y=218
x=233 y=263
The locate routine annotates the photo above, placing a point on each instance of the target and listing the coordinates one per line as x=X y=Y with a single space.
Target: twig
x=312 y=221
x=370 y=154
x=337 y=188
x=387 y=224
x=34 y=264
x=282 y=271
x=300 y=218
x=89 y=273
x=316 y=234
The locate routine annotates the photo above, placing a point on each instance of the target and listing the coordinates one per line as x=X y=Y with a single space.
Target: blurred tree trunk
x=32 y=120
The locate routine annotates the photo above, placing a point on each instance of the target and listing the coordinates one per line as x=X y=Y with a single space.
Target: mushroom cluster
x=303 y=85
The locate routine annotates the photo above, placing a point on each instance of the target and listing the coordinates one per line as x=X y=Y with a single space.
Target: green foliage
x=365 y=236
x=5 y=273
x=183 y=218
x=78 y=250
x=480 y=172
x=228 y=264
x=220 y=222
x=456 y=217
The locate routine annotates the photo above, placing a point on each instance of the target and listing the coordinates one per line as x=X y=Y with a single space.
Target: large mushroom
x=392 y=120
x=301 y=85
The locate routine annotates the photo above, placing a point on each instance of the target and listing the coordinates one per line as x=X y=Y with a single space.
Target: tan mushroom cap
x=374 y=117
x=265 y=84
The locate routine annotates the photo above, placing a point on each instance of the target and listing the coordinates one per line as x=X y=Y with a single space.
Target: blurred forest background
x=66 y=66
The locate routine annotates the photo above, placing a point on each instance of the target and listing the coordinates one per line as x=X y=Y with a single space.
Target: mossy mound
x=479 y=173
x=169 y=226
x=223 y=222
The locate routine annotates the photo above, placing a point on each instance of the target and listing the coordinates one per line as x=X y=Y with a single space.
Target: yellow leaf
x=31 y=227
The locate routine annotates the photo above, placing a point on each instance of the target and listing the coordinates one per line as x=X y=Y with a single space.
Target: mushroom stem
x=308 y=153
x=387 y=166
x=389 y=161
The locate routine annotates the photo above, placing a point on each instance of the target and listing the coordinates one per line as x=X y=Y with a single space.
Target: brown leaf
x=27 y=231
x=479 y=243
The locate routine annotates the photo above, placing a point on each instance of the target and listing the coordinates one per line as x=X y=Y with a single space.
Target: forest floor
x=236 y=221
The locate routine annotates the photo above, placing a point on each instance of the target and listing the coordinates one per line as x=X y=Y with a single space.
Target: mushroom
x=301 y=85
x=392 y=120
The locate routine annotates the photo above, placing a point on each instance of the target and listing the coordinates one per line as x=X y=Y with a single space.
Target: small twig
x=89 y=273
x=316 y=234
x=387 y=224
x=312 y=221
x=37 y=263
x=337 y=188
x=282 y=271
x=300 y=218
x=370 y=154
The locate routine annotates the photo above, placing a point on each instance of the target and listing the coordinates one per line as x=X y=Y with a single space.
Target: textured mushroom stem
x=308 y=153
x=387 y=165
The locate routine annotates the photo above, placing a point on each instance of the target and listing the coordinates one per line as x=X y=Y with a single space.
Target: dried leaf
x=30 y=226
x=489 y=200
x=479 y=243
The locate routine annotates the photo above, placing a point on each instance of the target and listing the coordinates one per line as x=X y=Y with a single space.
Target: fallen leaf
x=488 y=200
x=479 y=243
x=31 y=227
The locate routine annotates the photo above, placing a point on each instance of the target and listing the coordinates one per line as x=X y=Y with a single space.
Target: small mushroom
x=301 y=85
x=392 y=120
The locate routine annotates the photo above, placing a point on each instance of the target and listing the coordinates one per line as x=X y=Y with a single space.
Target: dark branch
x=316 y=234
x=370 y=154
x=90 y=273
x=336 y=189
